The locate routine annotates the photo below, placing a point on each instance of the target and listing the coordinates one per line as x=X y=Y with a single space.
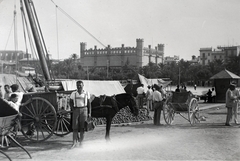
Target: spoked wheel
x=38 y=119
x=168 y=113
x=193 y=110
x=63 y=123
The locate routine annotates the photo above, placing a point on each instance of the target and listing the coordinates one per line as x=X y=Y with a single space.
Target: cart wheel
x=193 y=110
x=38 y=119
x=168 y=113
x=64 y=125
x=5 y=155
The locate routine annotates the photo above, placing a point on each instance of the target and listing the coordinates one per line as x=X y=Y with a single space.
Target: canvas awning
x=96 y=87
x=151 y=82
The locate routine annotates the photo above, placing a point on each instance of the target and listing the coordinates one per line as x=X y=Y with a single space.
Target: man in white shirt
x=157 y=105
x=13 y=102
x=81 y=107
x=8 y=92
x=149 y=96
x=140 y=96
x=15 y=89
x=213 y=95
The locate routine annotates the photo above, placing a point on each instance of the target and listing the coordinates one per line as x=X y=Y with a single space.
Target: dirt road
x=209 y=140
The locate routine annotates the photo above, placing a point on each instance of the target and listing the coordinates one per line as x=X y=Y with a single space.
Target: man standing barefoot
x=81 y=107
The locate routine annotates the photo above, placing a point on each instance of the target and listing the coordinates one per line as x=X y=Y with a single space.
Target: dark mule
x=106 y=106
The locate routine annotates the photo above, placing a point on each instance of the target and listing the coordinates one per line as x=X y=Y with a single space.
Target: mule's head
x=131 y=103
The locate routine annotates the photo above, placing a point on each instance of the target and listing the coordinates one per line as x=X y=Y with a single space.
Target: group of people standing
x=155 y=96
x=210 y=96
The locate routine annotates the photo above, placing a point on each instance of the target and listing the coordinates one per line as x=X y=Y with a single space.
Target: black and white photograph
x=119 y=80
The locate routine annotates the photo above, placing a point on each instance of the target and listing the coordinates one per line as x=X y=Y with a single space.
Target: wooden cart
x=45 y=114
x=182 y=103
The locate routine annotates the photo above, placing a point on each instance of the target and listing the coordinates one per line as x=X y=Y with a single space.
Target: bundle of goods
x=125 y=116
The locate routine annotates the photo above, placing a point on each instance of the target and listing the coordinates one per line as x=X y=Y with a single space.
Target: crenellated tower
x=161 y=48
x=139 y=50
x=83 y=47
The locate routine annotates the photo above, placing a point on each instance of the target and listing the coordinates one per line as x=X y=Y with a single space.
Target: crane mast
x=32 y=17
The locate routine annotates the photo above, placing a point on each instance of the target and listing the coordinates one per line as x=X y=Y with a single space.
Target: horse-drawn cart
x=179 y=103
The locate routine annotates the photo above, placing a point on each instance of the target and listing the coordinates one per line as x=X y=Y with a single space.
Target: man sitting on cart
x=15 y=90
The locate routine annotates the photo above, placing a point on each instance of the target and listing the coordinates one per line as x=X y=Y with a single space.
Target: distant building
x=138 y=56
x=194 y=60
x=208 y=55
x=169 y=60
x=9 y=60
x=12 y=55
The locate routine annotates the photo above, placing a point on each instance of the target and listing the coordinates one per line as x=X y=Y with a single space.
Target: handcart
x=8 y=128
x=182 y=103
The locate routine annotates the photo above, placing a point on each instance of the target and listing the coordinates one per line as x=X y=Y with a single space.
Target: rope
x=66 y=14
x=15 y=28
x=57 y=32
x=26 y=27
x=9 y=35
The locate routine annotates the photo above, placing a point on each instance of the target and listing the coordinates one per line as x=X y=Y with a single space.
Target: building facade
x=9 y=60
x=12 y=55
x=168 y=59
x=208 y=55
x=138 y=56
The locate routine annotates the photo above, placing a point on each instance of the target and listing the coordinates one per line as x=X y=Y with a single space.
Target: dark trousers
x=214 y=99
x=140 y=100
x=157 y=112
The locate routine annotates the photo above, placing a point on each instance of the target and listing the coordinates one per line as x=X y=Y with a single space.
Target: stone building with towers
x=138 y=56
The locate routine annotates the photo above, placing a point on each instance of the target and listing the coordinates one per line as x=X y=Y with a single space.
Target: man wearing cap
x=232 y=96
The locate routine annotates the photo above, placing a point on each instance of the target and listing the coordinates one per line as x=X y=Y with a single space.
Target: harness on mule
x=104 y=103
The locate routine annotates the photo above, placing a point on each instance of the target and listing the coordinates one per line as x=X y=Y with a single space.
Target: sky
x=183 y=26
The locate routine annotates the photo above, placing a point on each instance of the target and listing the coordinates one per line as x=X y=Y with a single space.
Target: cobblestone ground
x=209 y=140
